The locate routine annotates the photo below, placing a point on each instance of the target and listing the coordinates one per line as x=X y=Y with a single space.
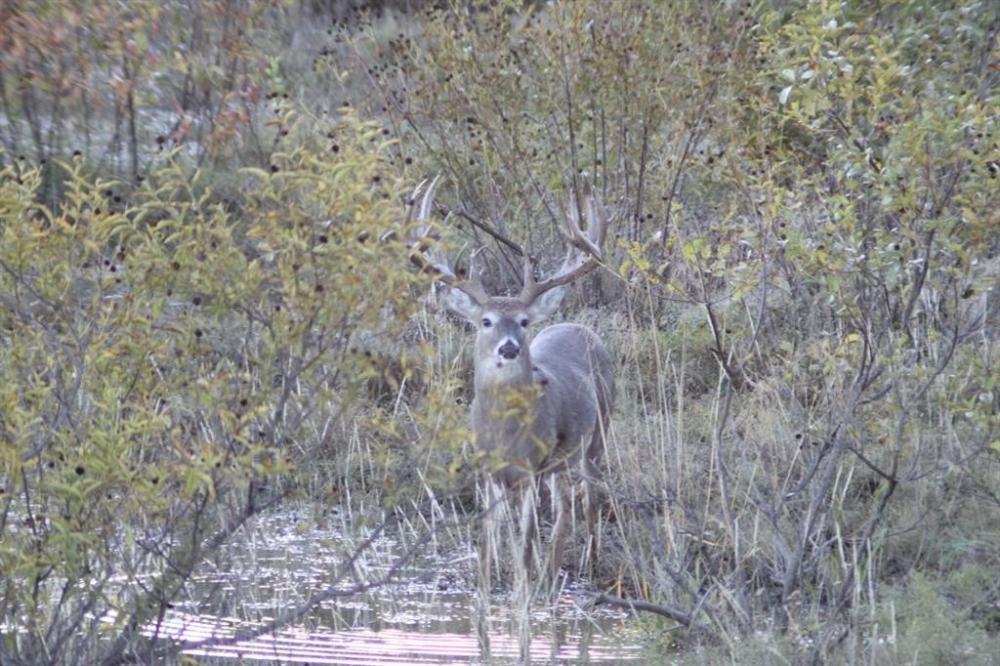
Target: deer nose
x=509 y=350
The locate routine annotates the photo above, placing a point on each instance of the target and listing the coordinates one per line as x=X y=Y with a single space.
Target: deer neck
x=504 y=410
x=492 y=379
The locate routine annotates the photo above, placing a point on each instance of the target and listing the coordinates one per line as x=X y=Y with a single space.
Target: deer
x=542 y=403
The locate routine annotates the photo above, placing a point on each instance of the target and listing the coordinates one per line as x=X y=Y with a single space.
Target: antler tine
x=437 y=264
x=590 y=242
x=474 y=280
x=528 y=270
x=426 y=205
x=576 y=265
x=472 y=284
x=410 y=203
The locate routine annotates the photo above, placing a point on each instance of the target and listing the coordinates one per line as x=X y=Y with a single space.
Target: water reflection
x=366 y=646
x=425 y=616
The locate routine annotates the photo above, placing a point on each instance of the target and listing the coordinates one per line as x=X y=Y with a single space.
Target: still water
x=425 y=614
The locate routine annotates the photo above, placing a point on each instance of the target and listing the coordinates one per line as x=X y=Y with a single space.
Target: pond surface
x=425 y=614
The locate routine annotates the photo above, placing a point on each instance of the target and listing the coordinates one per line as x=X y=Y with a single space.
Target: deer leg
x=523 y=575
x=495 y=522
x=486 y=551
x=592 y=495
x=529 y=524
x=563 y=507
x=591 y=515
x=483 y=603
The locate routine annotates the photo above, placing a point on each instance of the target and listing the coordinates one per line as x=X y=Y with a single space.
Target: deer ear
x=460 y=303
x=546 y=304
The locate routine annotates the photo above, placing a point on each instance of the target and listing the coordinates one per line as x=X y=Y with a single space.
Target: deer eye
x=524 y=323
x=487 y=323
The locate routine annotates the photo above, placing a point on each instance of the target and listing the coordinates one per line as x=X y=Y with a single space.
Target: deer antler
x=427 y=241
x=584 y=254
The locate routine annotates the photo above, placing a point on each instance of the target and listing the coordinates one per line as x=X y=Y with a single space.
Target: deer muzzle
x=509 y=350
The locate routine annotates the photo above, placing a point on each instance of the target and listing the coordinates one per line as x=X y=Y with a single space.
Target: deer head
x=503 y=323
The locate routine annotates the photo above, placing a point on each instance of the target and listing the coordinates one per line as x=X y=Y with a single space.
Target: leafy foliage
x=172 y=364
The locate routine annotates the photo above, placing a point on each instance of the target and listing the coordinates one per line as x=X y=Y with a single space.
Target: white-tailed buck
x=541 y=404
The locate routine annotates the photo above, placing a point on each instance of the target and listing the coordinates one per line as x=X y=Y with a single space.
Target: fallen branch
x=646 y=606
